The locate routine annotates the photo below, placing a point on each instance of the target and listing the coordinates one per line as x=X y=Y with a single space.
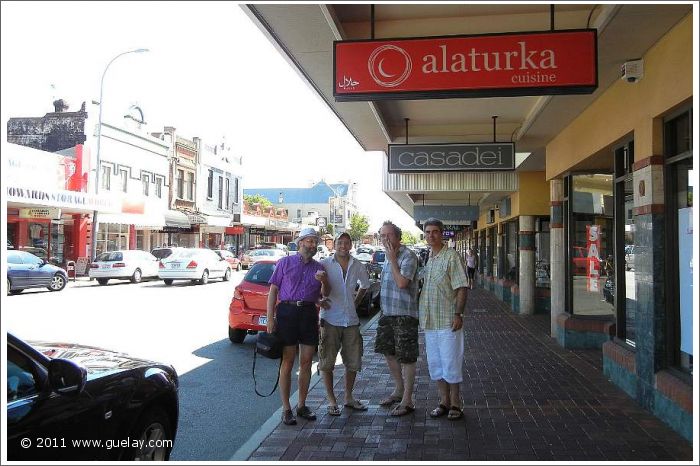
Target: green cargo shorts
x=398 y=336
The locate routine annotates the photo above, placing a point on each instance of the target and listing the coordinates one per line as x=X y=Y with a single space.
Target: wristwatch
x=459 y=314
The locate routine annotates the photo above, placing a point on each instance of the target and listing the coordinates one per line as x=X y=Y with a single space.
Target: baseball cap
x=340 y=235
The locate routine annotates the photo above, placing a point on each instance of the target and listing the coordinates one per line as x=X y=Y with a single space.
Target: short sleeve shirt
x=342 y=312
x=296 y=280
x=396 y=301
x=443 y=275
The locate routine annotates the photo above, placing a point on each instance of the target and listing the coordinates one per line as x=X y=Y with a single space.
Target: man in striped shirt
x=441 y=306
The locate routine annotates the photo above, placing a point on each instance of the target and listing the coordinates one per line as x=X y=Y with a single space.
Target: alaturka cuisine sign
x=540 y=63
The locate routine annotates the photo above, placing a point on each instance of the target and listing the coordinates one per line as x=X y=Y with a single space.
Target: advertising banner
x=593 y=257
x=487 y=65
x=425 y=158
x=685 y=275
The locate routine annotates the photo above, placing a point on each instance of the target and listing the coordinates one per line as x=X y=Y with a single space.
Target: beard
x=307 y=253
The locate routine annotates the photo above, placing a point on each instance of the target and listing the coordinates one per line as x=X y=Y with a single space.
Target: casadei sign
x=490 y=65
x=427 y=158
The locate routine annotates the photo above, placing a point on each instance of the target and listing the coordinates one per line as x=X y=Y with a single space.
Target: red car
x=247 y=312
x=230 y=258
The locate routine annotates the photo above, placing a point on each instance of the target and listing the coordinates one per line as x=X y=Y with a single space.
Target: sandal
x=333 y=410
x=390 y=400
x=356 y=405
x=455 y=413
x=440 y=411
x=402 y=410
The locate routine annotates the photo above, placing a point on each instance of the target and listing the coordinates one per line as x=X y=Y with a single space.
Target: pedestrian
x=472 y=262
x=397 y=329
x=300 y=282
x=441 y=307
x=340 y=325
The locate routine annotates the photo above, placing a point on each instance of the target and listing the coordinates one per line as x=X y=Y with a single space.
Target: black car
x=71 y=402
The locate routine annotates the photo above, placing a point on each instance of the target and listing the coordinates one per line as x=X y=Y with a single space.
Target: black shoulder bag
x=270 y=346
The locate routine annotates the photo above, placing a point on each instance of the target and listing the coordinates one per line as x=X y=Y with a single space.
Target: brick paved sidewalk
x=525 y=398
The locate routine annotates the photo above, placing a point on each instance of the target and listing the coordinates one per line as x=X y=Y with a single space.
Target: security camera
x=632 y=70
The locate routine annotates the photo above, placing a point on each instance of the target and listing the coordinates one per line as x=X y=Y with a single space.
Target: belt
x=299 y=303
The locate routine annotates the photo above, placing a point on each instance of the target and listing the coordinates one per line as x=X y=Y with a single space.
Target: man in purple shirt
x=300 y=282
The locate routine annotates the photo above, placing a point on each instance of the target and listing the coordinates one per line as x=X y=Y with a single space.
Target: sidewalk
x=525 y=398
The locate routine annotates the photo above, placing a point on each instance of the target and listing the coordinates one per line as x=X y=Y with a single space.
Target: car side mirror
x=66 y=377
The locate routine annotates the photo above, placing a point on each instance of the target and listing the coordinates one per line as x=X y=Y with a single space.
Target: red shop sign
x=237 y=230
x=492 y=65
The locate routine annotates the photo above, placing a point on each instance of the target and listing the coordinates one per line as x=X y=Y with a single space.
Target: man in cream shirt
x=340 y=326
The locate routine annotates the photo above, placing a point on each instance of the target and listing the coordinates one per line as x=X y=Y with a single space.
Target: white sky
x=210 y=73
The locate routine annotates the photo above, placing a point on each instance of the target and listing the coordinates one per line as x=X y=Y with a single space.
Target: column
x=132 y=237
x=22 y=233
x=556 y=251
x=526 y=270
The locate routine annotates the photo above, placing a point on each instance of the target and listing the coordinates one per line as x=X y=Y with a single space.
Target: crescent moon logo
x=376 y=70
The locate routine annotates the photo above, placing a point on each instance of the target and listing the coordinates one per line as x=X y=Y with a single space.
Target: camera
x=632 y=70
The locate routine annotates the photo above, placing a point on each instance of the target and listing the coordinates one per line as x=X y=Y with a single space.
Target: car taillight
x=237 y=294
x=192 y=265
x=118 y=264
x=94 y=266
x=161 y=265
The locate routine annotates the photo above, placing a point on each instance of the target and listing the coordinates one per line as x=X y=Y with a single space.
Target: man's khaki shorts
x=347 y=340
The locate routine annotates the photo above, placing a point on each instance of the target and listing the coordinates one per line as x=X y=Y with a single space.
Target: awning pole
x=494 y=127
x=371 y=20
x=551 y=17
x=406 y=120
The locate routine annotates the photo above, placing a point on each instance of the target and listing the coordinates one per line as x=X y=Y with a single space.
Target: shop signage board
x=455 y=214
x=462 y=157
x=257 y=231
x=237 y=230
x=486 y=65
x=68 y=199
x=40 y=212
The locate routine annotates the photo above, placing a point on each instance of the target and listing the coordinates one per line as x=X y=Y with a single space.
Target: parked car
x=377 y=262
x=269 y=245
x=254 y=255
x=195 y=264
x=165 y=251
x=365 y=249
x=293 y=248
x=234 y=261
x=41 y=253
x=130 y=264
x=25 y=270
x=364 y=257
x=247 y=312
x=58 y=393
x=371 y=298
x=321 y=252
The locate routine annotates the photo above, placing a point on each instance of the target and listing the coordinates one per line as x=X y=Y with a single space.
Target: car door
x=17 y=270
x=42 y=425
x=37 y=274
x=150 y=264
x=221 y=264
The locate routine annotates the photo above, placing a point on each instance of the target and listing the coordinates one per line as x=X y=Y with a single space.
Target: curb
x=255 y=440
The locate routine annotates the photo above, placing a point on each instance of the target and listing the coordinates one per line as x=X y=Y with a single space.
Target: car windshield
x=260 y=273
x=110 y=256
x=184 y=253
x=379 y=256
x=263 y=252
x=162 y=253
x=293 y=247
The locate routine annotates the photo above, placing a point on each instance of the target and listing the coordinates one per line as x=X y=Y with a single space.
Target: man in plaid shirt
x=441 y=309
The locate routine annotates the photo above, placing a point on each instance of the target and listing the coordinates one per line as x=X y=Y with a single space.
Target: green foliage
x=257 y=199
x=329 y=229
x=359 y=224
x=408 y=238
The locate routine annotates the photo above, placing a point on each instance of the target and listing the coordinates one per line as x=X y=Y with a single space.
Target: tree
x=408 y=238
x=329 y=229
x=257 y=199
x=359 y=224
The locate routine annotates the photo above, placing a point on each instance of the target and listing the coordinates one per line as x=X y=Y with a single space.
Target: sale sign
x=490 y=65
x=593 y=257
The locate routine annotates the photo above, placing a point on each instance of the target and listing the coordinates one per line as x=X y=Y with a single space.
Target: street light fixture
x=93 y=241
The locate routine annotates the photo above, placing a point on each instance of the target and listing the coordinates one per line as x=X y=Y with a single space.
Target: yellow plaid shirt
x=443 y=275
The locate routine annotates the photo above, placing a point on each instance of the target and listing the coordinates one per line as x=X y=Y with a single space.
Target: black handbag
x=270 y=346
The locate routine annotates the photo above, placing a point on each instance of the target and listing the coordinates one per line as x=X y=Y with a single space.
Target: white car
x=132 y=264
x=321 y=252
x=196 y=264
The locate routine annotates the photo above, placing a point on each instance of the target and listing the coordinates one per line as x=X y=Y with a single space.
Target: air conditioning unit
x=632 y=70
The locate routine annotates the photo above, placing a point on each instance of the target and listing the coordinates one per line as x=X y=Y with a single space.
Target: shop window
x=543 y=277
x=512 y=256
x=210 y=185
x=112 y=237
x=140 y=240
x=235 y=192
x=590 y=239
x=221 y=192
x=190 y=186
x=180 y=184
x=680 y=240
x=228 y=192
x=492 y=252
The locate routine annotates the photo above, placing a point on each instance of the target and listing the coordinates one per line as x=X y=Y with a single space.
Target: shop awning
x=215 y=221
x=147 y=220
x=175 y=218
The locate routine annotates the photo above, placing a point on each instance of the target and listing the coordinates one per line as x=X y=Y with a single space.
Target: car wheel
x=236 y=335
x=102 y=281
x=205 y=278
x=168 y=281
x=136 y=277
x=239 y=267
x=16 y=291
x=154 y=433
x=227 y=275
x=8 y=287
x=58 y=282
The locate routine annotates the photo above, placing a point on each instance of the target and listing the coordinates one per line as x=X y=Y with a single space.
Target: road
x=184 y=325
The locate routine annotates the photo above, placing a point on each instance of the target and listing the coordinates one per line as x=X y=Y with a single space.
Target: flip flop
x=356 y=405
x=402 y=410
x=440 y=411
x=455 y=413
x=333 y=410
x=390 y=400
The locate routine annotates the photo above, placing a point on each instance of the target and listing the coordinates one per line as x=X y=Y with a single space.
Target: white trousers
x=445 y=352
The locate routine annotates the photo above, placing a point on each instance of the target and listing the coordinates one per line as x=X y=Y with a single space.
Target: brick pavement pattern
x=525 y=398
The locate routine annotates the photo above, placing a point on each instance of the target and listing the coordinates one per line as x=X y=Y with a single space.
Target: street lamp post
x=93 y=240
